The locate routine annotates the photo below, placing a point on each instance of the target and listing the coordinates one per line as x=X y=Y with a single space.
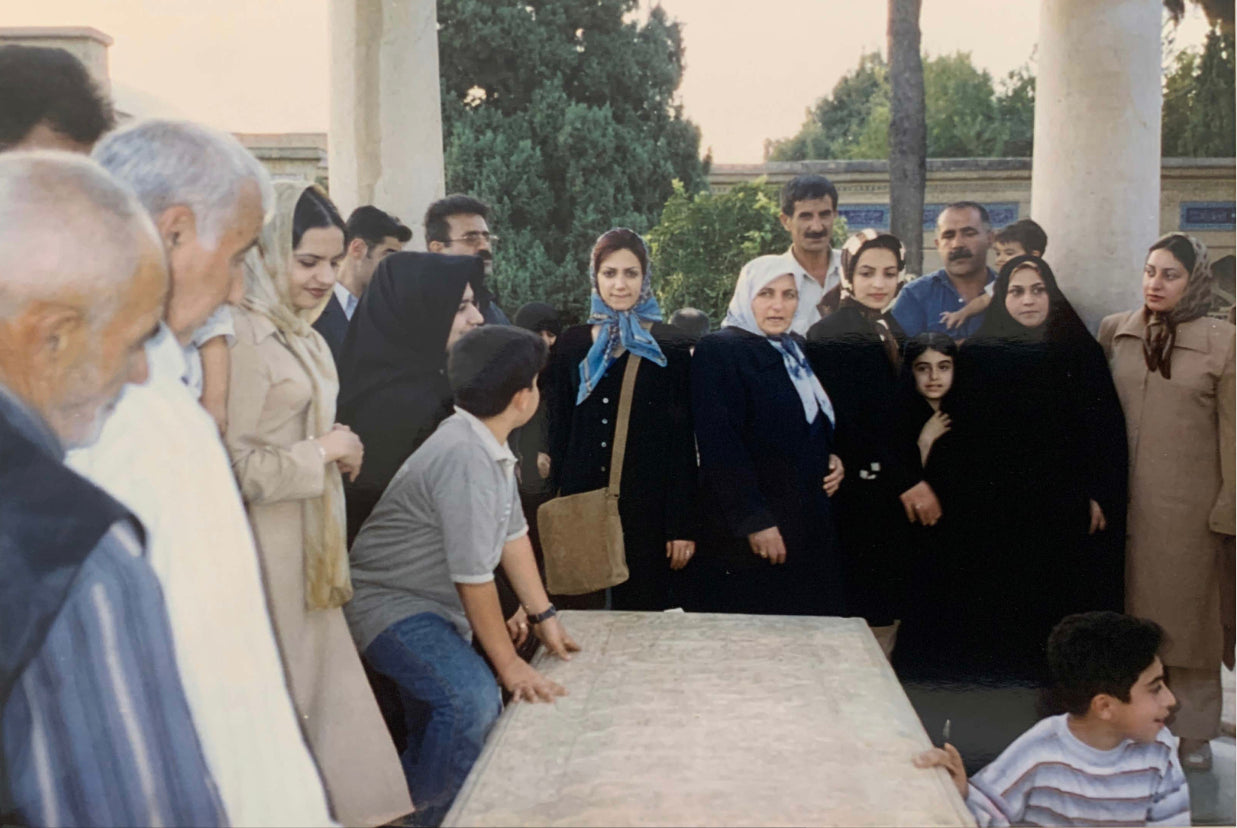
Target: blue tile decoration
x=876 y=216
x=1208 y=215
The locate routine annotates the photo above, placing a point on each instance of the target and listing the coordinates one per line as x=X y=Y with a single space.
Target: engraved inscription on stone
x=697 y=719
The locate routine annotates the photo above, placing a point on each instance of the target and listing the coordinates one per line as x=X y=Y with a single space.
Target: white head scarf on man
x=755 y=275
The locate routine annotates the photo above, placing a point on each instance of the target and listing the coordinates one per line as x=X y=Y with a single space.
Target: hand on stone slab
x=949 y=759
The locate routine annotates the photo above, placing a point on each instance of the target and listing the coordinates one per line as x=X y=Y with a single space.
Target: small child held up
x=1109 y=760
x=1018 y=239
x=423 y=570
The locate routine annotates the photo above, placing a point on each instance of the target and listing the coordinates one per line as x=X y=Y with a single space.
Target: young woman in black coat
x=1045 y=433
x=764 y=427
x=393 y=389
x=856 y=352
x=657 y=504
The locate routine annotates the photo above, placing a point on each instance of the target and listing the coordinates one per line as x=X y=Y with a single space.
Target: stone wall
x=1196 y=194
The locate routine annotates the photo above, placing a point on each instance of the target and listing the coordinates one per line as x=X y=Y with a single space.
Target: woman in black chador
x=765 y=426
x=657 y=504
x=1042 y=425
x=393 y=389
x=856 y=352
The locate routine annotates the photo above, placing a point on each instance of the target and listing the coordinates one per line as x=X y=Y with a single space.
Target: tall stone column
x=1095 y=181
x=385 y=141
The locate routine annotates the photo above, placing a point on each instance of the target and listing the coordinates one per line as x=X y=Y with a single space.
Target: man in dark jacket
x=372 y=235
x=458 y=225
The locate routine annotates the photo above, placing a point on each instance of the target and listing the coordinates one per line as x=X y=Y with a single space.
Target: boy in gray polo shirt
x=423 y=570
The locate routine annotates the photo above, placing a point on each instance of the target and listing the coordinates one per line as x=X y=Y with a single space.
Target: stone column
x=1095 y=182
x=385 y=143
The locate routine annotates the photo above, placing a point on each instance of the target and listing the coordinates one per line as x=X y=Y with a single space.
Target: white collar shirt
x=810 y=290
x=347 y=300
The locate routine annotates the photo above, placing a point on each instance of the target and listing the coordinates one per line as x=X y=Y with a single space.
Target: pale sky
x=753 y=66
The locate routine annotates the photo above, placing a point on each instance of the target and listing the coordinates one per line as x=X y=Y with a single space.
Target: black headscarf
x=393 y=389
x=1063 y=324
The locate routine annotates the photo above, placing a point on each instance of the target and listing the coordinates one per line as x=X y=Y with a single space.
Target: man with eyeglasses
x=457 y=225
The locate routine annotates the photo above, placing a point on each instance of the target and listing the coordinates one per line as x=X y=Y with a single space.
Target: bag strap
x=620 y=426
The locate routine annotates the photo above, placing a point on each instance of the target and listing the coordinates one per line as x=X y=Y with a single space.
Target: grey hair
x=68 y=232
x=169 y=163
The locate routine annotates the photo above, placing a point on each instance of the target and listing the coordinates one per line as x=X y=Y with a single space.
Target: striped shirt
x=1049 y=777
x=97 y=730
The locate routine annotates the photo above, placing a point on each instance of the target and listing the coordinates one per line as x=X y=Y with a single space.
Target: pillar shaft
x=385 y=142
x=1095 y=182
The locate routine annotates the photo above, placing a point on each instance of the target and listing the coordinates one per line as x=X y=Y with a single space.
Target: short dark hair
x=967 y=205
x=807 y=188
x=1099 y=652
x=314 y=209
x=456 y=204
x=490 y=364
x=928 y=341
x=620 y=238
x=44 y=85
x=691 y=321
x=1026 y=233
x=372 y=225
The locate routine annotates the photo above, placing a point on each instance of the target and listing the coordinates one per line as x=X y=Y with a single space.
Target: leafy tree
x=704 y=239
x=1199 y=93
x=562 y=116
x=966 y=113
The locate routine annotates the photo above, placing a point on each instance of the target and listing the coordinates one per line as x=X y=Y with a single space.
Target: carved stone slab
x=699 y=719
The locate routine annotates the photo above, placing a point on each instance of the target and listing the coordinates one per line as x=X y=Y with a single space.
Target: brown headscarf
x=1161 y=332
x=267 y=270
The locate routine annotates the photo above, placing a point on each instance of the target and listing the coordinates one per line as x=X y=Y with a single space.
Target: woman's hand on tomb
x=680 y=552
x=543 y=464
x=517 y=627
x=834 y=478
x=768 y=544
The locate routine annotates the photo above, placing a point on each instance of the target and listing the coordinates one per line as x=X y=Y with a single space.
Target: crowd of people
x=269 y=484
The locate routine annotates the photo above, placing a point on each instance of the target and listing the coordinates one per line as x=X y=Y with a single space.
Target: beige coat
x=279 y=466
x=1181 y=435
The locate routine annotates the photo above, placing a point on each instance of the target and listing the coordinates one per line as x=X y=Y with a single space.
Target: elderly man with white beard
x=160 y=455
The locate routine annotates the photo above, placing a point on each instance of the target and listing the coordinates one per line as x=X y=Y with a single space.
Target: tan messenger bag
x=581 y=534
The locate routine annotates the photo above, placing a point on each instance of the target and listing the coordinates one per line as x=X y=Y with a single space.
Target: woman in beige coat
x=288 y=455
x=1173 y=368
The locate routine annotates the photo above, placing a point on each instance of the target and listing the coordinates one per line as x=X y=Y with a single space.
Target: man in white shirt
x=161 y=456
x=371 y=236
x=809 y=208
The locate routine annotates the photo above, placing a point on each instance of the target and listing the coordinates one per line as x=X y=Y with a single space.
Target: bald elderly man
x=160 y=454
x=94 y=718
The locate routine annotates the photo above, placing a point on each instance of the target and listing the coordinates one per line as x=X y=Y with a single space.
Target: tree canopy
x=968 y=114
x=562 y=116
x=1199 y=96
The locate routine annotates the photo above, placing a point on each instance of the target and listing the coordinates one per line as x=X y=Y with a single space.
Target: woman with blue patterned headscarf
x=658 y=492
x=765 y=428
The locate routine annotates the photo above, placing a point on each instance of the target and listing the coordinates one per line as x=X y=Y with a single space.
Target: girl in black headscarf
x=856 y=352
x=1046 y=437
x=392 y=367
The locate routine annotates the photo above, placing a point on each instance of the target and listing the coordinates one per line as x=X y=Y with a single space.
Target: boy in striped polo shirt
x=1109 y=759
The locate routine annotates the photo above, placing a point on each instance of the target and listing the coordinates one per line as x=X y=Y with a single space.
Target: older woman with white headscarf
x=765 y=430
x=288 y=454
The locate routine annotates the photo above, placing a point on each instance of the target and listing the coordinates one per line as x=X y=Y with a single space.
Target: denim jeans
x=450 y=700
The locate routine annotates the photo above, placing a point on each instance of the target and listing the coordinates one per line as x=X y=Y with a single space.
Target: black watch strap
x=549 y=613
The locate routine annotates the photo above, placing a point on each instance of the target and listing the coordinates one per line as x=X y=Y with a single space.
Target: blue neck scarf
x=755 y=275
x=619 y=330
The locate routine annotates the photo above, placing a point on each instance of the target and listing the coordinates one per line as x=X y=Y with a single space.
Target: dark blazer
x=762 y=465
x=658 y=500
x=333 y=324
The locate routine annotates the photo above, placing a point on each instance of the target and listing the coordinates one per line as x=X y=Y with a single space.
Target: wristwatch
x=549 y=613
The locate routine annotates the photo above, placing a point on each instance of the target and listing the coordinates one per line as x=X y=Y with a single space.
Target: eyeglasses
x=476 y=237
